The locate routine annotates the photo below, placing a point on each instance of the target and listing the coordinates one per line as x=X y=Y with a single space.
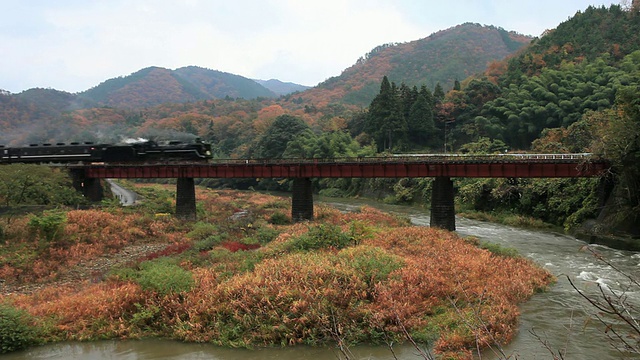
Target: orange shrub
x=283 y=301
x=395 y=276
x=98 y=310
x=444 y=272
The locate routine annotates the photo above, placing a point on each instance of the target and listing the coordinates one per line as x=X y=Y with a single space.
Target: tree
x=36 y=185
x=420 y=122
x=408 y=96
x=617 y=138
x=302 y=146
x=438 y=93
x=386 y=123
x=277 y=136
x=484 y=145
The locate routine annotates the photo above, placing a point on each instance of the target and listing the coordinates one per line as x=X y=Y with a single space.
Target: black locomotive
x=148 y=151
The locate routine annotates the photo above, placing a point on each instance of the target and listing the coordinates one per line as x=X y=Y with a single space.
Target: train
x=88 y=152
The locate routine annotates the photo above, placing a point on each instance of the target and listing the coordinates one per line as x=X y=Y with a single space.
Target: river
x=560 y=317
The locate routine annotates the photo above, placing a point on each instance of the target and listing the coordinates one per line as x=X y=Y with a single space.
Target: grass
x=506 y=218
x=366 y=273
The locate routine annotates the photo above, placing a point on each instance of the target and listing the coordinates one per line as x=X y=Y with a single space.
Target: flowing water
x=559 y=318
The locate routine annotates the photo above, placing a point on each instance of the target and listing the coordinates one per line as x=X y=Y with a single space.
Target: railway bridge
x=442 y=167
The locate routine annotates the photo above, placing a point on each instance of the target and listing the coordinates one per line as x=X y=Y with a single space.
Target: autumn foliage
x=367 y=277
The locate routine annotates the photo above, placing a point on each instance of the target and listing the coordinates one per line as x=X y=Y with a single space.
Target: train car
x=51 y=153
x=173 y=150
x=144 y=152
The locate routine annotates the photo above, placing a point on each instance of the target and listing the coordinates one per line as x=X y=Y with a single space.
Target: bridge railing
x=421 y=158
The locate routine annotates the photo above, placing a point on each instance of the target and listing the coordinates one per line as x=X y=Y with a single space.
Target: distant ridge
x=282 y=88
x=155 y=85
x=443 y=57
x=218 y=84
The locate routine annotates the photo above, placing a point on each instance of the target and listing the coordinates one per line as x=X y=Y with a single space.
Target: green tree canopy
x=22 y=184
x=386 y=123
x=275 y=140
x=399 y=118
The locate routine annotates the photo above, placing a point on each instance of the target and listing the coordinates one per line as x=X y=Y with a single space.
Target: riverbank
x=590 y=232
x=509 y=219
x=613 y=241
x=343 y=279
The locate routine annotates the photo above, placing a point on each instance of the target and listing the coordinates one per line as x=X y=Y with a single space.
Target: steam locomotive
x=144 y=152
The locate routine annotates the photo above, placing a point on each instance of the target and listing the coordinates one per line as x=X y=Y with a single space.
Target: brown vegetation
x=360 y=277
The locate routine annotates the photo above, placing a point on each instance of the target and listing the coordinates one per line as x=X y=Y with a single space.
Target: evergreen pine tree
x=438 y=93
x=386 y=123
x=420 y=122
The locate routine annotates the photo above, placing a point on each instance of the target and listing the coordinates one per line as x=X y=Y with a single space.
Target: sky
x=73 y=45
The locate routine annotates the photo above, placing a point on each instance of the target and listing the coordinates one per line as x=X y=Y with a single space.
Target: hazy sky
x=73 y=45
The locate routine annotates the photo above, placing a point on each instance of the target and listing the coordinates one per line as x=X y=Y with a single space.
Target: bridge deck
x=536 y=165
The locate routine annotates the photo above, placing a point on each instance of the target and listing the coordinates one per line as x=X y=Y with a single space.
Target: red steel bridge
x=440 y=166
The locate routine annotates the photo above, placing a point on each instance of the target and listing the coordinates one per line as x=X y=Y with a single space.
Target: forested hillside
x=589 y=35
x=154 y=86
x=35 y=108
x=570 y=72
x=452 y=53
x=147 y=87
x=218 y=84
x=443 y=57
x=574 y=90
x=586 y=101
x=24 y=115
x=282 y=88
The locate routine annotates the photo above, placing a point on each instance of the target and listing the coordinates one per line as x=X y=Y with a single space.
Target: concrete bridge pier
x=302 y=200
x=443 y=213
x=91 y=188
x=186 y=199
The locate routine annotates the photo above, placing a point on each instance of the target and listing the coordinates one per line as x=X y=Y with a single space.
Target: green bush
x=30 y=184
x=276 y=204
x=374 y=263
x=49 y=225
x=266 y=235
x=279 y=218
x=202 y=230
x=156 y=200
x=209 y=243
x=16 y=329
x=332 y=192
x=499 y=250
x=322 y=236
x=164 y=277
x=146 y=317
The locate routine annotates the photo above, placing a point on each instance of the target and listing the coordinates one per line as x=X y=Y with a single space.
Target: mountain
x=52 y=101
x=36 y=105
x=217 y=84
x=444 y=57
x=147 y=87
x=578 y=68
x=155 y=85
x=597 y=31
x=282 y=88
